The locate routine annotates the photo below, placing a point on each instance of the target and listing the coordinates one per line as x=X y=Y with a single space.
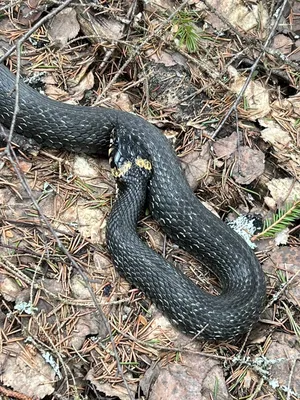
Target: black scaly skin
x=173 y=205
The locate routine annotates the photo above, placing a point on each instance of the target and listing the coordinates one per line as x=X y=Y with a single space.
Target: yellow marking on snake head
x=118 y=172
x=143 y=163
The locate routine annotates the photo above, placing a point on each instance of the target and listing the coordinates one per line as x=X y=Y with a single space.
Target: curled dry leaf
x=90 y=220
x=117 y=390
x=85 y=167
x=30 y=11
x=284 y=142
x=120 y=101
x=86 y=83
x=79 y=288
x=99 y=27
x=87 y=325
x=56 y=93
x=167 y=58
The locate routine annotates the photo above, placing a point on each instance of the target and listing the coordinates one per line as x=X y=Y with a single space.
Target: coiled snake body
x=172 y=203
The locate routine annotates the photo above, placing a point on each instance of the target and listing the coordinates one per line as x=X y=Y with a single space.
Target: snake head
x=127 y=161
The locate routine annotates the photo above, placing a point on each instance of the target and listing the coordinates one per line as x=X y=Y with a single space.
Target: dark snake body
x=173 y=205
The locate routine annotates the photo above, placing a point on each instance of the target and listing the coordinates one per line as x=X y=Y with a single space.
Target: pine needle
x=187 y=31
x=281 y=220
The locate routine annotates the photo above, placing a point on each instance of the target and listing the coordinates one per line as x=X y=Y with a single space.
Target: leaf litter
x=252 y=164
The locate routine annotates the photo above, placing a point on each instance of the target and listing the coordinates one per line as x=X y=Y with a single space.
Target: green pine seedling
x=281 y=220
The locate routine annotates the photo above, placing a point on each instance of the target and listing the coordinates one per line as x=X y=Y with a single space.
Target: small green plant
x=281 y=220
x=186 y=30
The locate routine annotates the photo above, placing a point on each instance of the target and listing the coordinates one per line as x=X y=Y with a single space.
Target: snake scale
x=173 y=205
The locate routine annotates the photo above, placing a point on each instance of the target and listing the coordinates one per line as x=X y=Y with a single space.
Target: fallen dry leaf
x=284 y=142
x=225 y=147
x=242 y=16
x=289 y=107
x=276 y=136
x=249 y=165
x=9 y=288
x=286 y=260
x=64 y=26
x=117 y=390
x=30 y=11
x=256 y=96
x=284 y=349
x=90 y=220
x=100 y=27
x=87 y=325
x=85 y=167
x=195 y=165
x=282 y=43
x=26 y=371
x=56 y=93
x=25 y=166
x=120 y=101
x=194 y=379
x=86 y=83
x=284 y=190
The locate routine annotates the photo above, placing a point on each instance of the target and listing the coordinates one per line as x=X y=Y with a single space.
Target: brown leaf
x=257 y=96
x=283 y=348
x=287 y=260
x=249 y=165
x=86 y=83
x=30 y=11
x=224 y=148
x=116 y=390
x=64 y=26
x=282 y=43
x=194 y=379
x=243 y=16
x=195 y=165
x=9 y=289
x=284 y=190
x=26 y=371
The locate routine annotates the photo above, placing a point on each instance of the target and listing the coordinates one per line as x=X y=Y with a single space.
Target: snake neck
x=122 y=217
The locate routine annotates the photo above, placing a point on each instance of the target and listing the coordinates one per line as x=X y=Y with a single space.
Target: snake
x=164 y=189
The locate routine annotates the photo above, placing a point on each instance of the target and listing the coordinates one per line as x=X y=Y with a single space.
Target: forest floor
x=221 y=80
